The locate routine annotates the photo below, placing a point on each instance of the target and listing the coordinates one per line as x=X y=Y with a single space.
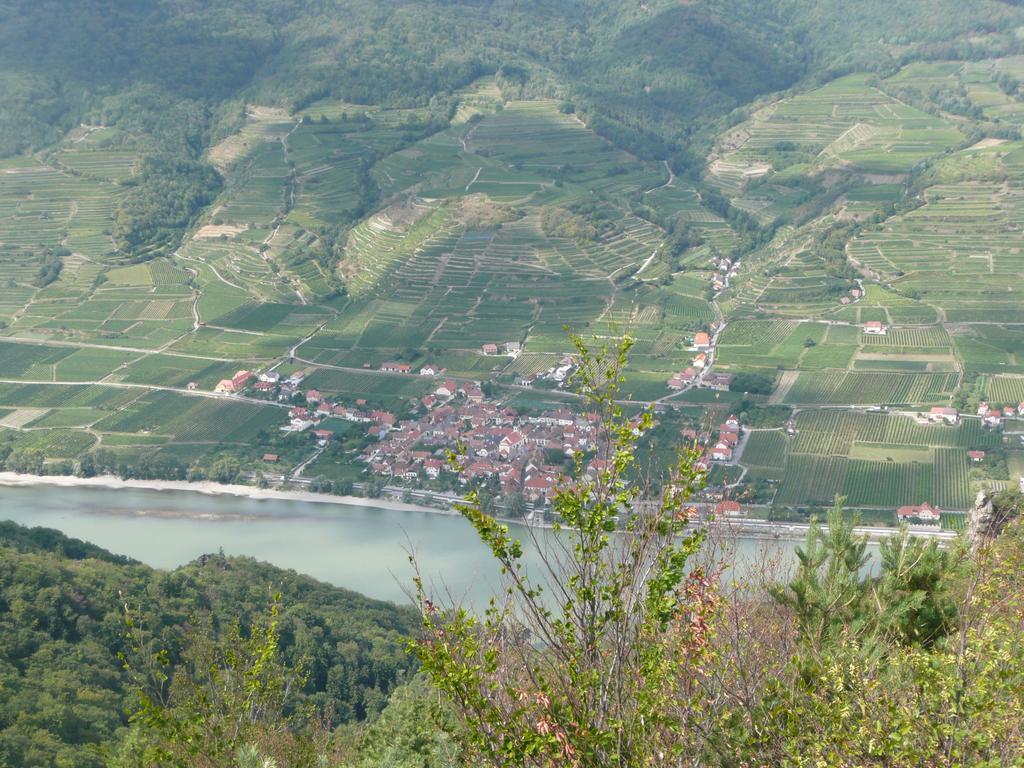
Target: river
x=356 y=547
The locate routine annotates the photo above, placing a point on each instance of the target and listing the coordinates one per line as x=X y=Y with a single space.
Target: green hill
x=62 y=628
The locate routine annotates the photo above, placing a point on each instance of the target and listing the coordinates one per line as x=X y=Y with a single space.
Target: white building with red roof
x=947 y=415
x=924 y=512
x=875 y=328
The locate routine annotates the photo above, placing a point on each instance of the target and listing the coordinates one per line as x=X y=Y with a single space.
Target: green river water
x=356 y=547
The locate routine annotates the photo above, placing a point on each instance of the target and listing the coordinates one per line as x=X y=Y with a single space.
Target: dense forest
x=63 y=639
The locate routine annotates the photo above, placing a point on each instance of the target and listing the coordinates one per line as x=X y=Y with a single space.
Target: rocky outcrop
x=984 y=521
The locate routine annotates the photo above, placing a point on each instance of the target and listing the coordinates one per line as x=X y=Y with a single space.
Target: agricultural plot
x=799 y=283
x=871 y=388
x=437 y=164
x=535 y=138
x=990 y=349
x=262 y=125
x=115 y=317
x=285 y=319
x=874 y=460
x=767 y=344
x=56 y=443
x=978 y=79
x=142 y=306
x=765 y=449
x=43 y=207
x=847 y=123
x=1005 y=389
x=67 y=417
x=36 y=395
x=91 y=364
x=839 y=365
x=227 y=345
x=456 y=267
x=372 y=386
x=190 y=419
x=288 y=179
x=680 y=202
x=176 y=371
x=445 y=286
x=29 y=360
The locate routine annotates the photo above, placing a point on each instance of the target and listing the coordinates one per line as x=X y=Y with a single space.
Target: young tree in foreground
x=227 y=702
x=582 y=663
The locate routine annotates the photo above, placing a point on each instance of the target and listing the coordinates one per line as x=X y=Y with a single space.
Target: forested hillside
x=64 y=639
x=633 y=60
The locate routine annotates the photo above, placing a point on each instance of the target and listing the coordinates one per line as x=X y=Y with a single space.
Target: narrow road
x=91 y=345
x=671 y=179
x=646 y=263
x=297 y=471
x=154 y=388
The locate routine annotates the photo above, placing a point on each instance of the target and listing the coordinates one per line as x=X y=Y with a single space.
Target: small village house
x=925 y=513
x=875 y=328
x=729 y=508
x=946 y=415
x=720 y=382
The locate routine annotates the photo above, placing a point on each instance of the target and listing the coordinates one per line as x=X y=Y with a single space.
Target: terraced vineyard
x=187 y=419
x=958 y=252
x=848 y=122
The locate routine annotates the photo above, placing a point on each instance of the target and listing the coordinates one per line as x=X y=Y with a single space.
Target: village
x=458 y=436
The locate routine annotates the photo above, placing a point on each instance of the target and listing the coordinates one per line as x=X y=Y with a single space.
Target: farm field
x=870 y=459
x=190 y=419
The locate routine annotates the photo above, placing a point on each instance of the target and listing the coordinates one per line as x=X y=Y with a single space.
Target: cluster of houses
x=725 y=270
x=853 y=297
x=559 y=374
x=715 y=447
x=232 y=386
x=703 y=345
x=922 y=513
x=274 y=384
x=720 y=382
x=512 y=348
x=497 y=443
x=941 y=415
x=318 y=409
x=683 y=379
x=990 y=417
x=994 y=417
